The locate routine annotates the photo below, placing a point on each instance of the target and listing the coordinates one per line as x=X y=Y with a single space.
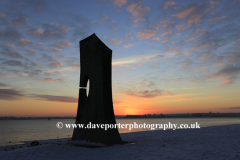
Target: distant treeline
x=48 y=118
x=188 y=115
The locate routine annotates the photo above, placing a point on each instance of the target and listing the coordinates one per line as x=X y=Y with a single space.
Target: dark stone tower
x=97 y=107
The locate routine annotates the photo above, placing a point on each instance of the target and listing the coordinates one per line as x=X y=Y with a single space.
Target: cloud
x=212 y=4
x=113 y=40
x=128 y=45
x=11 y=95
x=139 y=20
x=3 y=85
x=103 y=18
x=55 y=49
x=46 y=57
x=186 y=63
x=62 y=44
x=49 y=31
x=165 y=34
x=215 y=19
x=31 y=6
x=228 y=74
x=195 y=19
x=142 y=60
x=212 y=40
x=117 y=102
x=205 y=56
x=75 y=66
x=23 y=42
x=184 y=13
x=14 y=54
x=144 y=93
x=13 y=63
x=19 y=22
x=35 y=64
x=189 y=39
x=156 y=39
x=35 y=32
x=112 y=25
x=10 y=35
x=181 y=27
x=121 y=65
x=165 y=47
x=2 y=14
x=48 y=80
x=137 y=9
x=185 y=54
x=56 y=27
x=9 y=45
x=234 y=57
x=34 y=72
x=200 y=32
x=64 y=99
x=3 y=74
x=30 y=51
x=168 y=4
x=53 y=73
x=120 y=73
x=146 y=35
x=56 y=64
x=119 y=2
x=166 y=23
x=165 y=41
x=234 y=108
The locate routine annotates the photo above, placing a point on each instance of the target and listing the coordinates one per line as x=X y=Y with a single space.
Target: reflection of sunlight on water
x=42 y=129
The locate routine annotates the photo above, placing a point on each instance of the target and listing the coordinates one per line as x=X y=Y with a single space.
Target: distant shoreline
x=193 y=115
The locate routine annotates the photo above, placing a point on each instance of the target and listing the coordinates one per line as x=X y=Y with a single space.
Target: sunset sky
x=168 y=56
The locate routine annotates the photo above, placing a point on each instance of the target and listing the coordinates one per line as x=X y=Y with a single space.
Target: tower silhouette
x=97 y=106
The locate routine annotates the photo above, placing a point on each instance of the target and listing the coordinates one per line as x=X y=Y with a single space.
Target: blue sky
x=168 y=56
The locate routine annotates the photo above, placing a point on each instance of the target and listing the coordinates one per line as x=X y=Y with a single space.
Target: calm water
x=27 y=130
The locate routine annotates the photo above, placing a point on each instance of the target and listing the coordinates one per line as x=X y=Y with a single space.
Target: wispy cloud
x=234 y=108
x=128 y=45
x=11 y=95
x=63 y=44
x=103 y=18
x=146 y=35
x=184 y=13
x=3 y=85
x=138 y=11
x=2 y=14
x=145 y=93
x=13 y=63
x=49 y=80
x=113 y=40
x=63 y=99
x=119 y=2
x=24 y=42
x=229 y=74
x=56 y=64
x=168 y=4
x=19 y=22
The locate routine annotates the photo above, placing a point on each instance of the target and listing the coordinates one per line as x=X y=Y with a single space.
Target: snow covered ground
x=218 y=142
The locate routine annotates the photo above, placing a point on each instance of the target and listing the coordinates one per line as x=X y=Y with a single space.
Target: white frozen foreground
x=218 y=142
